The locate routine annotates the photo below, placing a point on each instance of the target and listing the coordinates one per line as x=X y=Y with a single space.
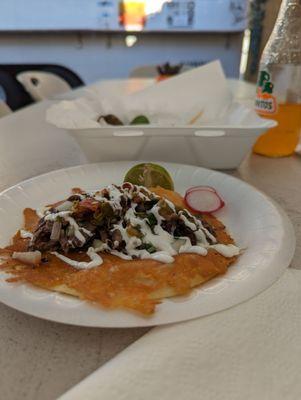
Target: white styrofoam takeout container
x=218 y=147
x=221 y=143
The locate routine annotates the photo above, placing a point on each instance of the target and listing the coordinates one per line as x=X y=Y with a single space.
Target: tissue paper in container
x=193 y=120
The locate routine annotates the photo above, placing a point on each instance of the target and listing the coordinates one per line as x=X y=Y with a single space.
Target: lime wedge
x=140 y=120
x=149 y=175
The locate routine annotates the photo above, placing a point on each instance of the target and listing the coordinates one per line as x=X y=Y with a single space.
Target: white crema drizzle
x=166 y=245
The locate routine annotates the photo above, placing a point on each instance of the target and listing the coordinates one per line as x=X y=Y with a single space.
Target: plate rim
x=286 y=223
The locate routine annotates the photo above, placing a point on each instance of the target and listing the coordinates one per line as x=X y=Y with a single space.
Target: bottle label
x=265 y=102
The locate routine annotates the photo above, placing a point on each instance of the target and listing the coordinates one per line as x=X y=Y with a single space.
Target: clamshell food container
x=217 y=147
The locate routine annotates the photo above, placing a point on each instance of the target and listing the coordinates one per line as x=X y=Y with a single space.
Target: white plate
x=256 y=223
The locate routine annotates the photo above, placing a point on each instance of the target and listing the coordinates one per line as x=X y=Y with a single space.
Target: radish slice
x=200 y=188
x=203 y=200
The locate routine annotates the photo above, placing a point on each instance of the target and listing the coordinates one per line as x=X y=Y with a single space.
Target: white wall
x=208 y=15
x=101 y=56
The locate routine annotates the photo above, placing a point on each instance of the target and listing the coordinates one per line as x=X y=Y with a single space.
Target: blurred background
x=77 y=42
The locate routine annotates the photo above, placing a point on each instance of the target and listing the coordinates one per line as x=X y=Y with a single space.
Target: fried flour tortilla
x=137 y=285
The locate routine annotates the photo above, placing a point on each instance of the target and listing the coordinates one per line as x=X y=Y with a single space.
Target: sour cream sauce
x=166 y=245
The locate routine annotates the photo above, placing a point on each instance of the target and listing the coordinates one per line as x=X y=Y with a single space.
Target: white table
x=41 y=359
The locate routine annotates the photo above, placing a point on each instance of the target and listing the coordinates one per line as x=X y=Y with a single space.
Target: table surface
x=41 y=359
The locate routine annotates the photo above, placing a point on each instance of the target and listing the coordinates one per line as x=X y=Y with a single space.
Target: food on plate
x=149 y=175
x=125 y=246
x=203 y=199
x=111 y=119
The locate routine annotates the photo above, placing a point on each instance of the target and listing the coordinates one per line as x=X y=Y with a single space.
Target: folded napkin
x=200 y=96
x=251 y=352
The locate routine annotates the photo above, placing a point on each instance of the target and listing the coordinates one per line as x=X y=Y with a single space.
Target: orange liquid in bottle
x=282 y=140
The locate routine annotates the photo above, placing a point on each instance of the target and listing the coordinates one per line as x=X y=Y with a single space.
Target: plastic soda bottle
x=279 y=84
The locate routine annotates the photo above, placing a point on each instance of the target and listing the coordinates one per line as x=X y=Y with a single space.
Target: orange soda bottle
x=279 y=84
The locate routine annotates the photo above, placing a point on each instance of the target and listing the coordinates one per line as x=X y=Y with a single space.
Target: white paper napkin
x=204 y=89
x=250 y=352
x=202 y=92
